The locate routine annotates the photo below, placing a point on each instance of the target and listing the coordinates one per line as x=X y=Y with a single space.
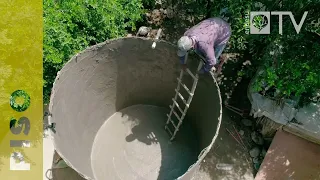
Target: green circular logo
x=19 y=100
x=260 y=21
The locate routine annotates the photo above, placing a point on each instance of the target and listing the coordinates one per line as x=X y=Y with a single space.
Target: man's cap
x=184 y=45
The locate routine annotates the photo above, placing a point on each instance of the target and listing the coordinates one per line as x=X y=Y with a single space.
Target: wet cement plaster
x=93 y=89
x=137 y=146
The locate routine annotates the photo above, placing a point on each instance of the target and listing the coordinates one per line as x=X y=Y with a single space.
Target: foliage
x=290 y=61
x=70 y=26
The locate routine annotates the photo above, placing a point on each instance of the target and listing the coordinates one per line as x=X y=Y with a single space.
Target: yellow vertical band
x=21 y=80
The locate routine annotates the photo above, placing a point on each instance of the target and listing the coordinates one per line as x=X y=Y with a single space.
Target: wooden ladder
x=186 y=101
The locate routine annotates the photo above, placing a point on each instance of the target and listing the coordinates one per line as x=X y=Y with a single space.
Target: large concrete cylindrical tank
x=110 y=102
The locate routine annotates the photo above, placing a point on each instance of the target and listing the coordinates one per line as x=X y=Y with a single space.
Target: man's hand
x=218 y=68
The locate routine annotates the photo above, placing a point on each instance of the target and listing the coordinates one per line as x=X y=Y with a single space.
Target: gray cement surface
x=117 y=74
x=133 y=145
x=225 y=150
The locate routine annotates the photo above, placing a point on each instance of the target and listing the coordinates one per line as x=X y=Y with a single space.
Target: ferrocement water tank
x=110 y=104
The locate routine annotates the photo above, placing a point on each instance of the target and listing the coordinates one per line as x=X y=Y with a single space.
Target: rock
x=246 y=122
x=156 y=12
x=254 y=152
x=158 y=4
x=129 y=35
x=247 y=62
x=143 y=30
x=170 y=12
x=268 y=141
x=153 y=33
x=165 y=12
x=263 y=152
x=255 y=160
x=257 y=138
x=241 y=132
x=257 y=166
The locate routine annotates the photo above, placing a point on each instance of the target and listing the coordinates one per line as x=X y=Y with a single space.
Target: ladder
x=186 y=102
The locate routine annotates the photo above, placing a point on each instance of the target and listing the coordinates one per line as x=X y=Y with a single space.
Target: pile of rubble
x=261 y=133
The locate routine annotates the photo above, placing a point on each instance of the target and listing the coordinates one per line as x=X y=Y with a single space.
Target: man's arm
x=210 y=57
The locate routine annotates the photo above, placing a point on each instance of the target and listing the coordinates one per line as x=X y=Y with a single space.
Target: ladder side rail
x=175 y=97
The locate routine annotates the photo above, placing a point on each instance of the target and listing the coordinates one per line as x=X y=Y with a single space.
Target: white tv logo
x=260 y=21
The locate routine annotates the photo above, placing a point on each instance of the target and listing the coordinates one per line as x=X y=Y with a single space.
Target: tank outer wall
x=116 y=74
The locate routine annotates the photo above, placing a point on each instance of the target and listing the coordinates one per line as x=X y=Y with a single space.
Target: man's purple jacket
x=208 y=35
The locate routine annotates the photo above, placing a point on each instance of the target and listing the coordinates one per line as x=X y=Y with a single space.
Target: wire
x=47 y=174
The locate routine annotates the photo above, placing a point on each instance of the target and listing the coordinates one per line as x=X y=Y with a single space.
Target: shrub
x=290 y=61
x=70 y=26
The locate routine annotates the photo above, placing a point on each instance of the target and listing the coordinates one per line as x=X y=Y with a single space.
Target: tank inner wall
x=116 y=74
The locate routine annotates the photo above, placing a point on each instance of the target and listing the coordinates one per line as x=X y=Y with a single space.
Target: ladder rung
x=193 y=76
x=167 y=128
x=175 y=127
x=177 y=106
x=169 y=119
x=181 y=97
x=176 y=115
x=185 y=87
x=179 y=119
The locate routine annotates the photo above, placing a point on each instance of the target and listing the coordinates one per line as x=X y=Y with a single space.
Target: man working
x=208 y=39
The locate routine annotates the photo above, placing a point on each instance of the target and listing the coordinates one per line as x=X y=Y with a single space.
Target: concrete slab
x=48 y=148
x=48 y=151
x=290 y=157
x=308 y=122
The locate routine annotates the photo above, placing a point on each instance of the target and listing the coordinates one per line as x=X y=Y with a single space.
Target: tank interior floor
x=132 y=144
